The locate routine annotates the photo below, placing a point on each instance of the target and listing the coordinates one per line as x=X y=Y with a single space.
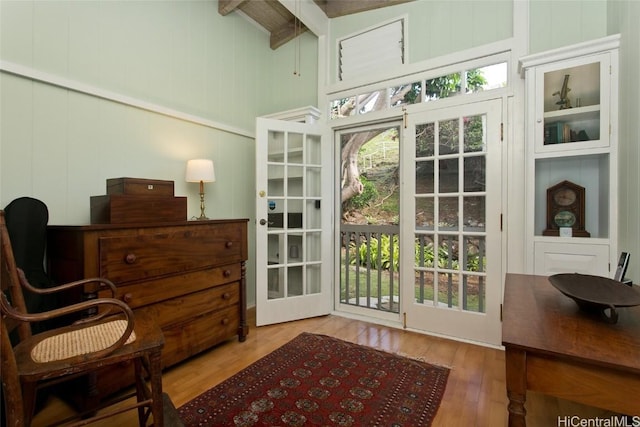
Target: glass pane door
x=455 y=215
x=291 y=221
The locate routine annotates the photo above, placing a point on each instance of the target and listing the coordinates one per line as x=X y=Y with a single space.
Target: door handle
x=263 y=222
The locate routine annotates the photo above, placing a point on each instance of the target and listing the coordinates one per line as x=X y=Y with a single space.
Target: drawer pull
x=229 y=244
x=130 y=258
x=226 y=273
x=226 y=295
x=224 y=321
x=127 y=297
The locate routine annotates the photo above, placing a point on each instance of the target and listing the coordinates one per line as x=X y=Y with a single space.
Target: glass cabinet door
x=572 y=105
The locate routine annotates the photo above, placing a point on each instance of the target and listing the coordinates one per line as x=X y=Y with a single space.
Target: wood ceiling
x=283 y=25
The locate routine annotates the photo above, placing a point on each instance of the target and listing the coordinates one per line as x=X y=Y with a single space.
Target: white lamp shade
x=200 y=170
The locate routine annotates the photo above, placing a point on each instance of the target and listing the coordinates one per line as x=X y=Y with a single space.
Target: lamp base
x=202 y=215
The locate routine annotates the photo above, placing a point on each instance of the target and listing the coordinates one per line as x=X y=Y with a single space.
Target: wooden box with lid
x=140 y=187
x=137 y=200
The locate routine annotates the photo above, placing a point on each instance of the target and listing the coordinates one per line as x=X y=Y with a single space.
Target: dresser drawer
x=186 y=339
x=135 y=257
x=182 y=308
x=165 y=288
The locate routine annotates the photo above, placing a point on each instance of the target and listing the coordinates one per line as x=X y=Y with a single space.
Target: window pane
x=344 y=107
x=473 y=288
x=448 y=252
x=313 y=279
x=474 y=213
x=313 y=245
x=424 y=287
x=487 y=78
x=448 y=175
x=448 y=289
x=374 y=101
x=296 y=252
x=275 y=282
x=294 y=281
x=448 y=213
x=475 y=254
x=425 y=134
x=294 y=181
x=424 y=251
x=448 y=136
x=474 y=173
x=474 y=133
x=442 y=87
x=405 y=94
x=312 y=150
x=424 y=213
x=424 y=177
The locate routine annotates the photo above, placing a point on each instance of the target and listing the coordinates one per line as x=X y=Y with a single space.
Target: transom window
x=464 y=82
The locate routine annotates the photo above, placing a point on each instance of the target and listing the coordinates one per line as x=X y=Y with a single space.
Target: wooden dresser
x=190 y=276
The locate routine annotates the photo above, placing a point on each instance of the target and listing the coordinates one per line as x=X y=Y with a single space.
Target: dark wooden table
x=554 y=348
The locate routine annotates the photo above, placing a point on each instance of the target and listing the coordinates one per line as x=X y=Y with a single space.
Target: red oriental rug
x=321 y=380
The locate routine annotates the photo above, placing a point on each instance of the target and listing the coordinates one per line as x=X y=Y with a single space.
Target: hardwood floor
x=475 y=393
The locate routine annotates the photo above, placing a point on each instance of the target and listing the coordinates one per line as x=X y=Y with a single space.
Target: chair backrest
x=10 y=286
x=10 y=283
x=26 y=219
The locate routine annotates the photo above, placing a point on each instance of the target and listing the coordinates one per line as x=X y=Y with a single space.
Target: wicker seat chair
x=107 y=333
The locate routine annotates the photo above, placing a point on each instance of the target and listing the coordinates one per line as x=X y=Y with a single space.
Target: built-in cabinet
x=571 y=158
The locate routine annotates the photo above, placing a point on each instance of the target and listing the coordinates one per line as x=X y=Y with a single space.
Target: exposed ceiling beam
x=285 y=33
x=225 y=7
x=337 y=8
x=285 y=20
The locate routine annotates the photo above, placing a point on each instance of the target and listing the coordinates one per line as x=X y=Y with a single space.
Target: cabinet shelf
x=590 y=112
x=584 y=149
x=572 y=240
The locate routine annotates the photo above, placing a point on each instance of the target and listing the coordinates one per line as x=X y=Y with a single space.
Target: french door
x=450 y=220
x=293 y=243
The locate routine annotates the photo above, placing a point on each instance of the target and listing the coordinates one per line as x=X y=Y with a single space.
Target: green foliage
x=444 y=86
x=381 y=258
x=369 y=193
x=380 y=250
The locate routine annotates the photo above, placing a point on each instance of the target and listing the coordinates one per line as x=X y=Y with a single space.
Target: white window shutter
x=376 y=49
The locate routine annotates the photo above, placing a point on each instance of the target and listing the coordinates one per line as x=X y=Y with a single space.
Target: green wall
x=622 y=18
x=438 y=28
x=218 y=73
x=556 y=23
x=435 y=28
x=135 y=89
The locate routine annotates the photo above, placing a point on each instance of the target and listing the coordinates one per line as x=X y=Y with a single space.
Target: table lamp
x=200 y=170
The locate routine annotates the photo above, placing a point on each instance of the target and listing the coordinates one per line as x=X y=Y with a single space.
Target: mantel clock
x=565 y=209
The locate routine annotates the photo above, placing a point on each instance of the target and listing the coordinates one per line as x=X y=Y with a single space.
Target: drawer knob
x=229 y=244
x=130 y=258
x=225 y=321
x=127 y=297
x=226 y=295
x=226 y=273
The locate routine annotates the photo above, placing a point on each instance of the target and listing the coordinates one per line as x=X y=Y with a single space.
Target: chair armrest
x=114 y=305
x=102 y=282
